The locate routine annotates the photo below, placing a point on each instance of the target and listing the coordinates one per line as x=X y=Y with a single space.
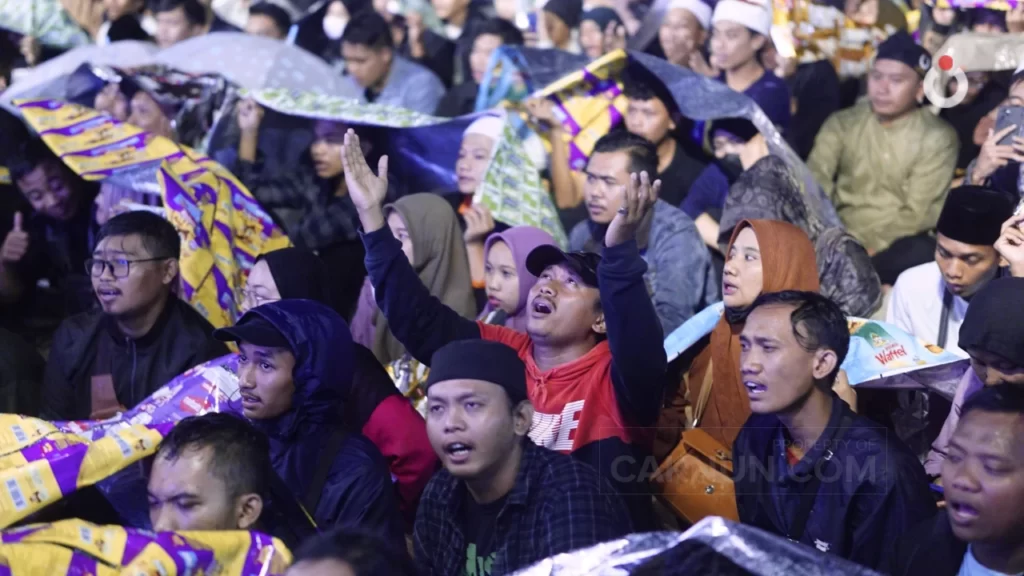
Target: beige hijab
x=439 y=258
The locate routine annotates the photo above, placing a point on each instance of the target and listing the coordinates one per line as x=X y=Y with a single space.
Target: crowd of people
x=548 y=399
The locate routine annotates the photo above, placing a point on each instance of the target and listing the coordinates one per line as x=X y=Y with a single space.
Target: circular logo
x=936 y=91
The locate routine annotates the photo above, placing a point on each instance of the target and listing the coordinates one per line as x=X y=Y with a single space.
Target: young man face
x=591 y=39
x=607 y=175
x=680 y=35
x=994 y=370
x=649 y=119
x=473 y=427
x=127 y=278
x=265 y=380
x=173 y=26
x=368 y=66
x=263 y=25
x=483 y=46
x=733 y=45
x=893 y=88
x=48 y=188
x=965 y=267
x=563 y=310
x=185 y=494
x=983 y=476
x=778 y=372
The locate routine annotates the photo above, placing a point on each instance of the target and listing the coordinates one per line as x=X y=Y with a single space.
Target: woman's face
x=326 y=149
x=265 y=380
x=112 y=101
x=480 y=56
x=474 y=157
x=591 y=39
x=994 y=370
x=260 y=289
x=401 y=232
x=743 y=277
x=146 y=114
x=502 y=278
x=558 y=32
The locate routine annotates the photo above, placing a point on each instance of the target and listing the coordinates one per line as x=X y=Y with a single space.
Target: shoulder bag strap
x=705 y=393
x=323 y=467
x=947 y=306
x=810 y=493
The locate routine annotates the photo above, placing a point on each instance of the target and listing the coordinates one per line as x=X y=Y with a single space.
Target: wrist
x=372 y=219
x=1017 y=269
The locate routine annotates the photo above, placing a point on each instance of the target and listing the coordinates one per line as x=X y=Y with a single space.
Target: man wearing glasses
x=143 y=335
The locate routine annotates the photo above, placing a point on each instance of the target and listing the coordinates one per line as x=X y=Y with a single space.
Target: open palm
x=366 y=189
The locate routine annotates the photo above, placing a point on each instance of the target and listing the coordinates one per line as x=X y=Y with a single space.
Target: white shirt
x=971 y=567
x=916 y=306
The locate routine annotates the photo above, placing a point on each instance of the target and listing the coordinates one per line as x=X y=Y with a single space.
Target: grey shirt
x=409 y=86
x=679 y=277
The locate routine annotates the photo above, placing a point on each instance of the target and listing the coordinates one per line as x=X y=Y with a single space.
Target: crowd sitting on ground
x=549 y=398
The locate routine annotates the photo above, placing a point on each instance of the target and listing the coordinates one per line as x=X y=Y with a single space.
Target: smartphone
x=1010 y=116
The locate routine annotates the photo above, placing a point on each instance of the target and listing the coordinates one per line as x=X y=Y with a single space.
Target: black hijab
x=995 y=320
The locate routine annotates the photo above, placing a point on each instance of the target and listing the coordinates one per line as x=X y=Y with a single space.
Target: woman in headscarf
x=762 y=256
x=431 y=239
x=372 y=406
x=769 y=191
x=506 y=279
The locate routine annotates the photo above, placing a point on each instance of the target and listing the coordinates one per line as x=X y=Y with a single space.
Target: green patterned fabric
x=44 y=19
x=511 y=190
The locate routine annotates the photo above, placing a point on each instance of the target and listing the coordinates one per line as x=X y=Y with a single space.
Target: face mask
x=732 y=166
x=334 y=26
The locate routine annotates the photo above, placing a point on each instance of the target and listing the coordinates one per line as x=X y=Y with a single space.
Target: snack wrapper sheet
x=1002 y=5
x=41 y=462
x=428 y=148
x=223 y=228
x=75 y=547
x=881 y=355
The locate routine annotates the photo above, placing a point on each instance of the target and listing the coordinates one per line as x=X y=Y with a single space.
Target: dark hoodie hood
x=322 y=344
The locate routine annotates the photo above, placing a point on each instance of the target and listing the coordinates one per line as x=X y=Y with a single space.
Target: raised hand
x=16 y=243
x=479 y=224
x=614 y=37
x=366 y=189
x=638 y=202
x=994 y=155
x=250 y=116
x=1011 y=245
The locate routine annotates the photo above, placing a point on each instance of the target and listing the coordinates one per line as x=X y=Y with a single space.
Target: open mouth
x=728 y=288
x=457 y=452
x=961 y=513
x=542 y=306
x=250 y=399
x=106 y=293
x=755 y=388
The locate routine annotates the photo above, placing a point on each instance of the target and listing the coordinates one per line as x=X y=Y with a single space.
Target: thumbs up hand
x=16 y=243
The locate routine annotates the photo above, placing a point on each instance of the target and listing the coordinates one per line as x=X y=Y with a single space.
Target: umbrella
x=253 y=62
x=49 y=79
x=45 y=19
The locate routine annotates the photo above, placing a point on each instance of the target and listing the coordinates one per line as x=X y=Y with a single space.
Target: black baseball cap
x=584 y=264
x=253 y=329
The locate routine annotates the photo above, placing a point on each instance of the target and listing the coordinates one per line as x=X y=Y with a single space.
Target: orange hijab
x=787 y=263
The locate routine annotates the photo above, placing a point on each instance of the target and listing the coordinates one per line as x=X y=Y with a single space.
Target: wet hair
x=643 y=155
x=367 y=555
x=279 y=15
x=509 y=34
x=818 y=323
x=195 y=12
x=367 y=28
x=1006 y=399
x=241 y=453
x=158 y=235
x=31 y=155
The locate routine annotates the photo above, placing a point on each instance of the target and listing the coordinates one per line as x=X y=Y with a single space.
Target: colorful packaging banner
x=75 y=547
x=1003 y=5
x=512 y=189
x=880 y=356
x=41 y=462
x=223 y=227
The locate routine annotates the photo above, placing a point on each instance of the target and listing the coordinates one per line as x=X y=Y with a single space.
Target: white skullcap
x=490 y=126
x=699 y=9
x=750 y=13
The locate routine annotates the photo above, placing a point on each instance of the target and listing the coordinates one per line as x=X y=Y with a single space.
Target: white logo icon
x=936 y=92
x=823 y=546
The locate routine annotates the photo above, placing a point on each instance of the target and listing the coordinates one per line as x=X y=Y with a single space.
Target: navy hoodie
x=358 y=493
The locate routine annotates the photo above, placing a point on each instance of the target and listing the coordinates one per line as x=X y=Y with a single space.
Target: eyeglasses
x=253 y=300
x=119 y=267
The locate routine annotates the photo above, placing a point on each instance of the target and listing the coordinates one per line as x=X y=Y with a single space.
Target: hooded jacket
x=358 y=492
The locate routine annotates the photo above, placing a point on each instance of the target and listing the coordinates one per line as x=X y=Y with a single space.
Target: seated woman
x=475 y=154
x=372 y=406
x=295 y=369
x=500 y=265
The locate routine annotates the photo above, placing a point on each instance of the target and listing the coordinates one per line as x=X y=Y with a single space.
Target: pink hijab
x=521 y=240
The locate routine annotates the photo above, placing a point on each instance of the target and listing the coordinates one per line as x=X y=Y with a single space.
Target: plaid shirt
x=312 y=217
x=556 y=505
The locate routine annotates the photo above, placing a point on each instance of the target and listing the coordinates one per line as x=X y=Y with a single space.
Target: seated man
x=268 y=19
x=806 y=467
x=679 y=275
x=295 y=369
x=930 y=300
x=886 y=164
x=594 y=357
x=979 y=530
x=178 y=20
x=478 y=418
x=376 y=73
x=211 y=472
x=44 y=249
x=143 y=335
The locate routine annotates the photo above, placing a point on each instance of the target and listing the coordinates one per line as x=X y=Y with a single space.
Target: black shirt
x=677 y=178
x=480 y=520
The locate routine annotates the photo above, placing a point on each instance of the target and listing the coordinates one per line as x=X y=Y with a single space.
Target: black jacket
x=872 y=488
x=358 y=491
x=179 y=340
x=930 y=548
